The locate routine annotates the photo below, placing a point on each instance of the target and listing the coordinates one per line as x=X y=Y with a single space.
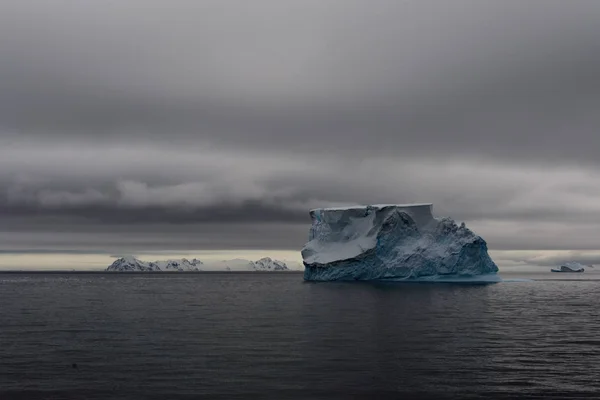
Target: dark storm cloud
x=51 y=251
x=505 y=79
x=66 y=238
x=577 y=256
x=185 y=113
x=158 y=197
x=245 y=212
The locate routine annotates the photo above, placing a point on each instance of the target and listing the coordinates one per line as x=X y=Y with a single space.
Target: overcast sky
x=136 y=125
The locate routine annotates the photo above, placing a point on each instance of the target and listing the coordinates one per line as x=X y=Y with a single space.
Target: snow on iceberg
x=571 y=266
x=393 y=242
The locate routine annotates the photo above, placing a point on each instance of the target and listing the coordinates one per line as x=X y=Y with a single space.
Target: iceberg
x=393 y=242
x=570 y=266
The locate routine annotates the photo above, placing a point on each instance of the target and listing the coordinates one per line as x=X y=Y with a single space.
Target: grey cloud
x=51 y=251
x=244 y=212
x=513 y=207
x=137 y=239
x=186 y=124
x=502 y=79
x=585 y=259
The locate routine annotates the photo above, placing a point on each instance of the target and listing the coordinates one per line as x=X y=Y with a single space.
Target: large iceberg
x=393 y=242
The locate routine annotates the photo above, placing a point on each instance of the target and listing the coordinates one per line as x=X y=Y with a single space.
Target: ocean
x=273 y=336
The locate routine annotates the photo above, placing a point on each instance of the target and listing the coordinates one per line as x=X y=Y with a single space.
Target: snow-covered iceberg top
x=392 y=242
x=570 y=266
x=132 y=264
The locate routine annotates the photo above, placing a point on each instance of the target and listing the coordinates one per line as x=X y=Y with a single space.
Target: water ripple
x=239 y=336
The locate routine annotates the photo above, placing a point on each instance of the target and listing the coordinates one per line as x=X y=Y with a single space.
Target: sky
x=145 y=126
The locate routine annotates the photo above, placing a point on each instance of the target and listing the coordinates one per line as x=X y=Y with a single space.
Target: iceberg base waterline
x=485 y=278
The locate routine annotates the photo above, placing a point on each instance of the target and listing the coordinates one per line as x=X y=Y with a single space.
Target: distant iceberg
x=569 y=267
x=132 y=264
x=393 y=242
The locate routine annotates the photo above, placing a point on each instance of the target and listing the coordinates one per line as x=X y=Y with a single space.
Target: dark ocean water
x=228 y=336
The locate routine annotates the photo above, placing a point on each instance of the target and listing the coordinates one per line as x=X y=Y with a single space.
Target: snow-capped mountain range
x=132 y=264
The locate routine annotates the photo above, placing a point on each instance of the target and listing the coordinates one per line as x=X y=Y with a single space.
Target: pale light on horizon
x=507 y=260
x=83 y=261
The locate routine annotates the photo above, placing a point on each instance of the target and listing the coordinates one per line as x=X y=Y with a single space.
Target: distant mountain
x=132 y=264
x=129 y=264
x=268 y=264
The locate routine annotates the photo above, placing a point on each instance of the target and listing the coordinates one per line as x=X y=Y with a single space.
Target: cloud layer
x=136 y=124
x=102 y=189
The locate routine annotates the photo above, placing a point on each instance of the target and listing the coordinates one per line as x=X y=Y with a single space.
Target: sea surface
x=273 y=336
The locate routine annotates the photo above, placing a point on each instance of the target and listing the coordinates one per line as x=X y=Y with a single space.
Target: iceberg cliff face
x=391 y=242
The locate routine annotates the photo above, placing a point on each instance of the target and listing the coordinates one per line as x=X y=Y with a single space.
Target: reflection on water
x=275 y=336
